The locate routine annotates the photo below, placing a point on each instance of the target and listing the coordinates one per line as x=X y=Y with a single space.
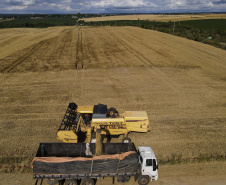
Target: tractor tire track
x=89 y=48
x=111 y=49
x=160 y=75
x=23 y=58
x=79 y=51
x=104 y=51
x=142 y=58
x=66 y=41
x=43 y=50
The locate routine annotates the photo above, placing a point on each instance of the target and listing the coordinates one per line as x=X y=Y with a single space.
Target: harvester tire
x=126 y=140
x=143 y=180
x=87 y=181
x=71 y=182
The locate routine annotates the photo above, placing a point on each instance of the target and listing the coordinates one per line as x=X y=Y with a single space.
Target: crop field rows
x=38 y=101
x=34 y=57
x=180 y=83
x=107 y=47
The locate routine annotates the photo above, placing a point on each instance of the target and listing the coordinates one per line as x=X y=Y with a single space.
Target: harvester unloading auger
x=85 y=119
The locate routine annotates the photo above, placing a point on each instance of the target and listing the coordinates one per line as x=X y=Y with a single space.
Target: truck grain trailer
x=86 y=119
x=76 y=163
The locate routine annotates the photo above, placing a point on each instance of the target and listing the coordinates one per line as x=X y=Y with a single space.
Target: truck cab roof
x=146 y=152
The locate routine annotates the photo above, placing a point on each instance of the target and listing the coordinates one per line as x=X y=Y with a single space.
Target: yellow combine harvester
x=85 y=120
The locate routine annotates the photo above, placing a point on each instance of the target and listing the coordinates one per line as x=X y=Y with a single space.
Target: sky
x=110 y=6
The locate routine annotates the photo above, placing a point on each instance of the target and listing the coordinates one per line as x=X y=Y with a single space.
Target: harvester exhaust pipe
x=98 y=142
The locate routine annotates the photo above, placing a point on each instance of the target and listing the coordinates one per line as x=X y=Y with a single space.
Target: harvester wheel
x=71 y=182
x=143 y=180
x=126 y=140
x=87 y=181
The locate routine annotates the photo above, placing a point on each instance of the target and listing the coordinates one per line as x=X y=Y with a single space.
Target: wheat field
x=158 y=18
x=179 y=82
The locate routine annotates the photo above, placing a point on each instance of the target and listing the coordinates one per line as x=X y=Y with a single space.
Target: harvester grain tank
x=87 y=118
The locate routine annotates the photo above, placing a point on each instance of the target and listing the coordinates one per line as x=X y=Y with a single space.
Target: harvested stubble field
x=179 y=82
x=158 y=18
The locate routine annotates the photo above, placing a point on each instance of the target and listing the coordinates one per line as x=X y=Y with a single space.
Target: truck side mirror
x=155 y=166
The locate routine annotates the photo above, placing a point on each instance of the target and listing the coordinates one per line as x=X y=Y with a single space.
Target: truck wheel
x=143 y=180
x=126 y=140
x=71 y=182
x=52 y=181
x=87 y=181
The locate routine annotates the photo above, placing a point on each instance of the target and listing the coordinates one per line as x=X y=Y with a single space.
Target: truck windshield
x=148 y=162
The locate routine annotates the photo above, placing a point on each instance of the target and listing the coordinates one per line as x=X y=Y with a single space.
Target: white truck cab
x=148 y=161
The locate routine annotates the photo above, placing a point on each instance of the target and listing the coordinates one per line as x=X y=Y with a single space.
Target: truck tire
x=52 y=181
x=126 y=140
x=143 y=180
x=87 y=181
x=71 y=182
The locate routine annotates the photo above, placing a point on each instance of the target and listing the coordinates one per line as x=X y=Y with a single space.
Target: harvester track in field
x=108 y=47
x=147 y=63
x=79 y=50
x=67 y=40
x=43 y=50
x=134 y=52
x=23 y=58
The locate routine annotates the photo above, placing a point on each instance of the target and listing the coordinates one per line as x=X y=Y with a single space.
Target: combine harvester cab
x=85 y=119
